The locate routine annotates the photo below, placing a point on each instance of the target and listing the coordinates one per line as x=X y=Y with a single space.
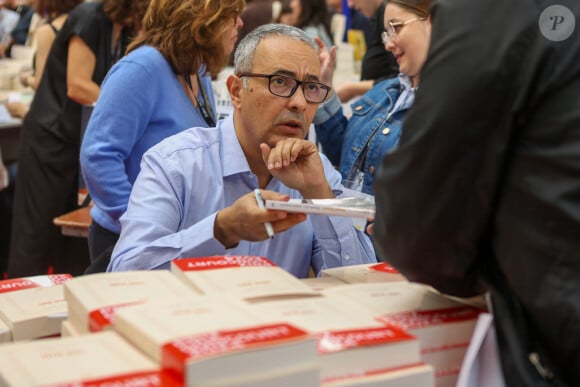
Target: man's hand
x=244 y=220
x=296 y=163
x=327 y=58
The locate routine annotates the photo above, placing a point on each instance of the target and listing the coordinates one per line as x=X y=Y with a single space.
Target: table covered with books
x=233 y=320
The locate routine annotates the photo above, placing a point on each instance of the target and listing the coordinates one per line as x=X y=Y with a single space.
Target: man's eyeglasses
x=285 y=86
x=393 y=29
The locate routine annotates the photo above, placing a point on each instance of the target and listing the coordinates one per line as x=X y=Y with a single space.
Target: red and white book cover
x=437 y=328
x=359 y=351
x=391 y=297
x=33 y=313
x=246 y=277
x=374 y=272
x=90 y=360
x=93 y=299
x=419 y=375
x=11 y=285
x=444 y=334
x=227 y=357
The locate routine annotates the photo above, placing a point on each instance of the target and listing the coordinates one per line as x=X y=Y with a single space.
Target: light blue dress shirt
x=187 y=178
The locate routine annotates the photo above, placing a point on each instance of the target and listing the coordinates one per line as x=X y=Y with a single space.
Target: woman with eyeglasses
x=161 y=87
x=357 y=145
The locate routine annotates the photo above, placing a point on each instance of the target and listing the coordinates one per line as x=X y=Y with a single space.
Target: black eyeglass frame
x=300 y=84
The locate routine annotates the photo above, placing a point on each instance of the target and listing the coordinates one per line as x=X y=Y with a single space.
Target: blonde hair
x=189 y=33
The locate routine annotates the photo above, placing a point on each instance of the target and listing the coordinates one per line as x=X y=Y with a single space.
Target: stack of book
x=93 y=299
x=352 y=344
x=11 y=285
x=391 y=297
x=218 y=340
x=33 y=313
x=373 y=272
x=101 y=359
x=247 y=277
x=444 y=335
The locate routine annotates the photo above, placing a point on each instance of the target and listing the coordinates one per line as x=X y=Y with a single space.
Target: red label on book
x=334 y=341
x=384 y=267
x=425 y=318
x=101 y=318
x=134 y=379
x=221 y=262
x=32 y=282
x=176 y=353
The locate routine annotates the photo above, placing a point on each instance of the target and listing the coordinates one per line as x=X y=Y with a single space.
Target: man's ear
x=234 y=85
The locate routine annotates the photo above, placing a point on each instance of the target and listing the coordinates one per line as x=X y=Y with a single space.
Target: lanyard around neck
x=205 y=107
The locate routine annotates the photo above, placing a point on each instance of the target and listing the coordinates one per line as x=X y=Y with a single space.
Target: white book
x=444 y=334
x=33 y=313
x=437 y=329
x=391 y=297
x=68 y=329
x=10 y=285
x=373 y=272
x=94 y=298
x=354 y=352
x=5 y=334
x=320 y=283
x=354 y=207
x=350 y=340
x=420 y=375
x=99 y=359
x=318 y=314
x=246 y=277
x=211 y=339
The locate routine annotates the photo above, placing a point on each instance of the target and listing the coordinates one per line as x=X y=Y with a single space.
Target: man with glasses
x=195 y=193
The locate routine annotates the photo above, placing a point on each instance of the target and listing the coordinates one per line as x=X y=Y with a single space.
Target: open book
x=356 y=207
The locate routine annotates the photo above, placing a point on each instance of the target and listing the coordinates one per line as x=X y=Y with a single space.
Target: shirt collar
x=234 y=157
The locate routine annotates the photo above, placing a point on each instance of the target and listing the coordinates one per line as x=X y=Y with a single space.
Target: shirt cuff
x=327 y=110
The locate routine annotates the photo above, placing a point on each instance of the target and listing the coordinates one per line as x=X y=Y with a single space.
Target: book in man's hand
x=354 y=207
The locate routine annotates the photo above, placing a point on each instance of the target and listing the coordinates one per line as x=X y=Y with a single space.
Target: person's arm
x=44 y=37
x=435 y=193
x=298 y=165
x=165 y=220
x=350 y=89
x=81 y=63
x=105 y=147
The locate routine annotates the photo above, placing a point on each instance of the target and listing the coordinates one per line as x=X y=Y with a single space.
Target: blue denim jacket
x=343 y=140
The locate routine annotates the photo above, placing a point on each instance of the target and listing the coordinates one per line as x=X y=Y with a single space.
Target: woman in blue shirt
x=161 y=87
x=358 y=144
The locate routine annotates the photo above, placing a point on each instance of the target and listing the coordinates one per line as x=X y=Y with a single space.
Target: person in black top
x=94 y=37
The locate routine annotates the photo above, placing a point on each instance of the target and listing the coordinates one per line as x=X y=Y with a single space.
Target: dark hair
x=189 y=32
x=126 y=12
x=418 y=7
x=314 y=12
x=54 y=8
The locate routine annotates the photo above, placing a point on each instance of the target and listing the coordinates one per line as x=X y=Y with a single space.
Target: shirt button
x=347 y=257
x=386 y=131
x=372 y=170
x=358 y=108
